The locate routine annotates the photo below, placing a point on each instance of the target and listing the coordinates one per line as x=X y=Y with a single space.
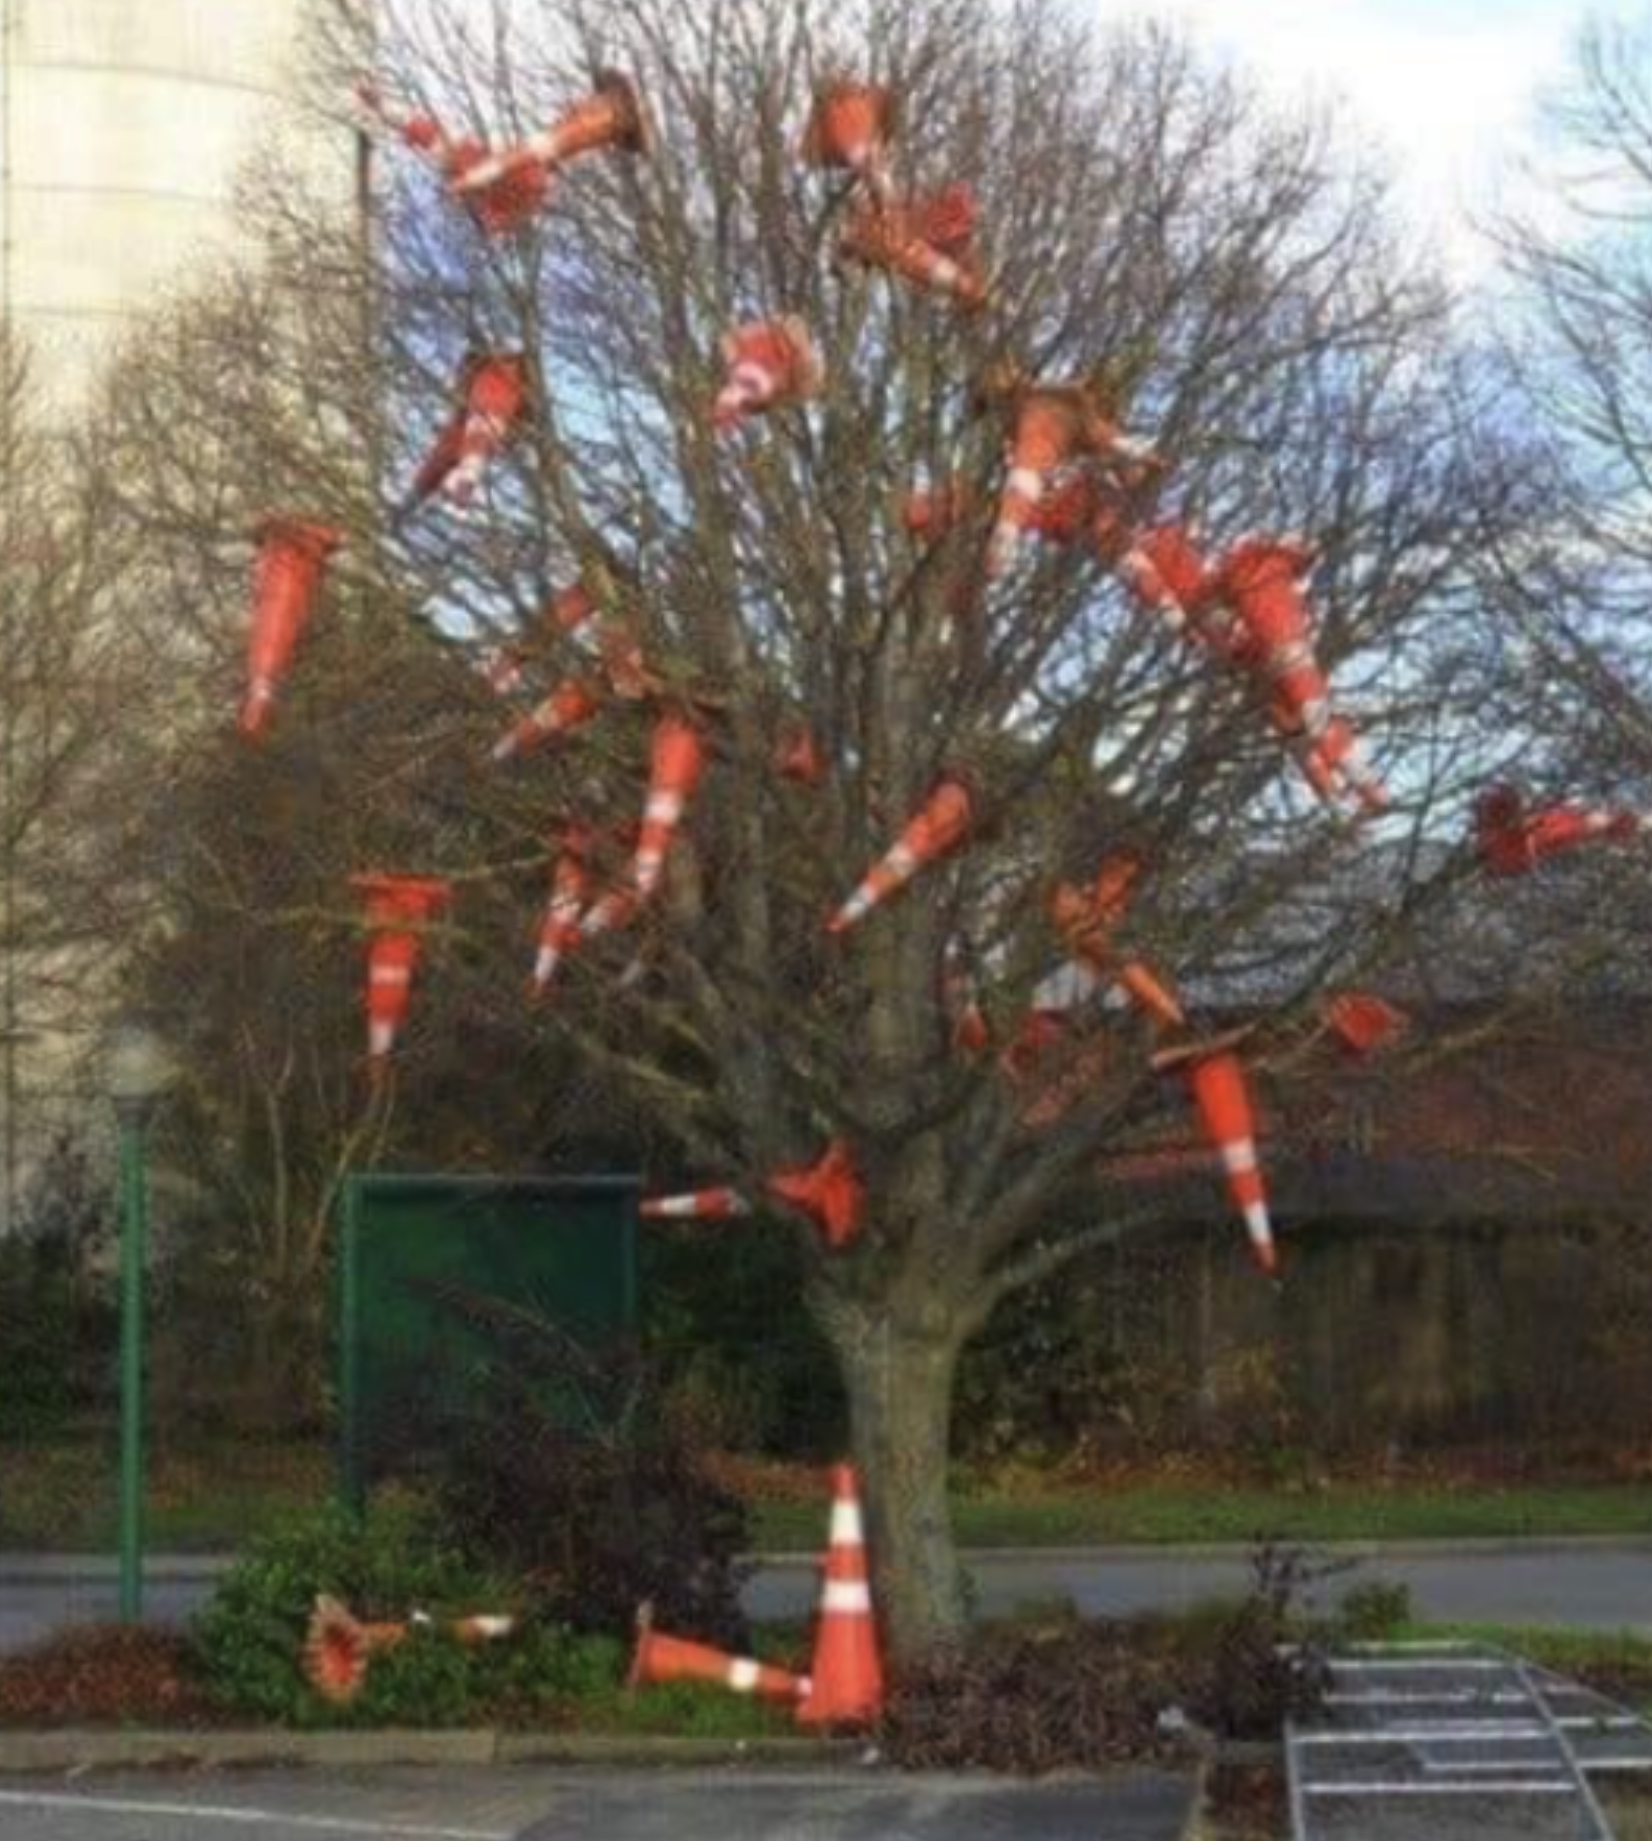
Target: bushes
x=105 y=1675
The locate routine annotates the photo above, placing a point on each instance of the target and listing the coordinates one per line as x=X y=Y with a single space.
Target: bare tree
x=1150 y=230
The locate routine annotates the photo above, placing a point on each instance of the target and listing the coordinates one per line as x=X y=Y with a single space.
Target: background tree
x=1147 y=224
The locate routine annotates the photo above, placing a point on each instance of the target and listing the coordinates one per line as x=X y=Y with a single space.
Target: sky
x=1447 y=89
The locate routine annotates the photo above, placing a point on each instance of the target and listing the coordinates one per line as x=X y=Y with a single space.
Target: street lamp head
x=138 y=1067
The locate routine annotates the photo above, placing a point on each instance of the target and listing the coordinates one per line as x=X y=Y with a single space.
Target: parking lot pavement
x=548 y=1804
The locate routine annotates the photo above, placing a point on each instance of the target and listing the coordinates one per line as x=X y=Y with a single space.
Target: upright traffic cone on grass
x=695 y=1205
x=493 y=398
x=829 y=1191
x=940 y=825
x=611 y=117
x=338 y=1649
x=559 y=933
x=928 y=242
x=661 y=1658
x=1513 y=839
x=847 y=1673
x=849 y=129
x=1216 y=1080
x=293 y=554
x=399 y=912
x=771 y=364
x=501 y=204
x=568 y=708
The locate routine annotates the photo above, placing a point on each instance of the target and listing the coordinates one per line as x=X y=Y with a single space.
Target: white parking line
x=249 y=1818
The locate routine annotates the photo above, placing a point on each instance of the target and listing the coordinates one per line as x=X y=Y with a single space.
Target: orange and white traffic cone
x=568 y=708
x=1054 y=426
x=612 y=116
x=338 y=1648
x=1260 y=578
x=829 y=1191
x=504 y=670
x=1216 y=1079
x=1337 y=760
x=670 y=1658
x=493 y=393
x=940 y=825
x=293 y=555
x=1364 y=1023
x=678 y=760
x=500 y=206
x=847 y=1673
x=1167 y=572
x=559 y=932
x=771 y=364
x=399 y=912
x=1512 y=839
x=930 y=243
x=849 y=130
x=1086 y=919
x=695 y=1205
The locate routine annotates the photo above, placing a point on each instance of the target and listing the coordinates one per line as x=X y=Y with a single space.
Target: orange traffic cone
x=930 y=243
x=847 y=1674
x=559 y=932
x=771 y=364
x=501 y=205
x=849 y=129
x=797 y=757
x=293 y=555
x=1167 y=572
x=678 y=761
x=1336 y=765
x=399 y=911
x=612 y=116
x=1512 y=839
x=940 y=825
x=696 y=1205
x=829 y=1191
x=669 y=1658
x=1363 y=1023
x=1260 y=577
x=338 y=1649
x=1086 y=918
x=1216 y=1079
x=1054 y=425
x=493 y=392
x=569 y=707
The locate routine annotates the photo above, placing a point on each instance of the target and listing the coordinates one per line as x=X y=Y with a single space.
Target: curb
x=101 y=1749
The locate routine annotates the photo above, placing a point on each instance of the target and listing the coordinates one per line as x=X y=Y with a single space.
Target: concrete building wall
x=123 y=127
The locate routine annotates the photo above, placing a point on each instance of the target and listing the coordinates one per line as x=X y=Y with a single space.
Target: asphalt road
x=1599 y=1585
x=540 y=1804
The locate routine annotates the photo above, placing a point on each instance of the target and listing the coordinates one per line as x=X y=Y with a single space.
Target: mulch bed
x=105 y=1675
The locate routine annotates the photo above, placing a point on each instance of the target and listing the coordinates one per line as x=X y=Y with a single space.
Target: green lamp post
x=137 y=1072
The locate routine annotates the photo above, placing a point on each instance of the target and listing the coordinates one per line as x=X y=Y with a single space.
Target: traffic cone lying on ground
x=568 y=708
x=500 y=207
x=293 y=554
x=1261 y=579
x=611 y=117
x=771 y=364
x=941 y=823
x=847 y=1675
x=670 y=1658
x=339 y=1647
x=1512 y=839
x=929 y=242
x=696 y=1205
x=849 y=130
x=559 y=933
x=1086 y=919
x=1363 y=1023
x=1216 y=1080
x=493 y=397
x=829 y=1191
x=1053 y=427
x=399 y=912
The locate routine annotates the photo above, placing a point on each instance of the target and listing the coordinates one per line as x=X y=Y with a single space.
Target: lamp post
x=137 y=1072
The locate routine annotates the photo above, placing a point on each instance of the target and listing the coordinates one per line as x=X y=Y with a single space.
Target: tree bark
x=898 y=1375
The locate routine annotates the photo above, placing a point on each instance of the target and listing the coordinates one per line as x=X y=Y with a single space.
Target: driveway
x=541 y=1804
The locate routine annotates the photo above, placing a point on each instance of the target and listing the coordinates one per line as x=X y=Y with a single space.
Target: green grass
x=1179 y=1514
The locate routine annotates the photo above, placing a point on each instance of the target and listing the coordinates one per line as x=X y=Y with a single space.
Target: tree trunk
x=899 y=1378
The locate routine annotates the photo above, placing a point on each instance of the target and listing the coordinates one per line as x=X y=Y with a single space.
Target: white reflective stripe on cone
x=1257 y=1224
x=663 y=809
x=1239 y=1156
x=742 y=1674
x=847 y=1595
x=389 y=974
x=1028 y=482
x=381 y=1038
x=900 y=860
x=847 y=1527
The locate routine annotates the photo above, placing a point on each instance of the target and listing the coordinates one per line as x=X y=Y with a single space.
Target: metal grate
x=1436 y=1741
